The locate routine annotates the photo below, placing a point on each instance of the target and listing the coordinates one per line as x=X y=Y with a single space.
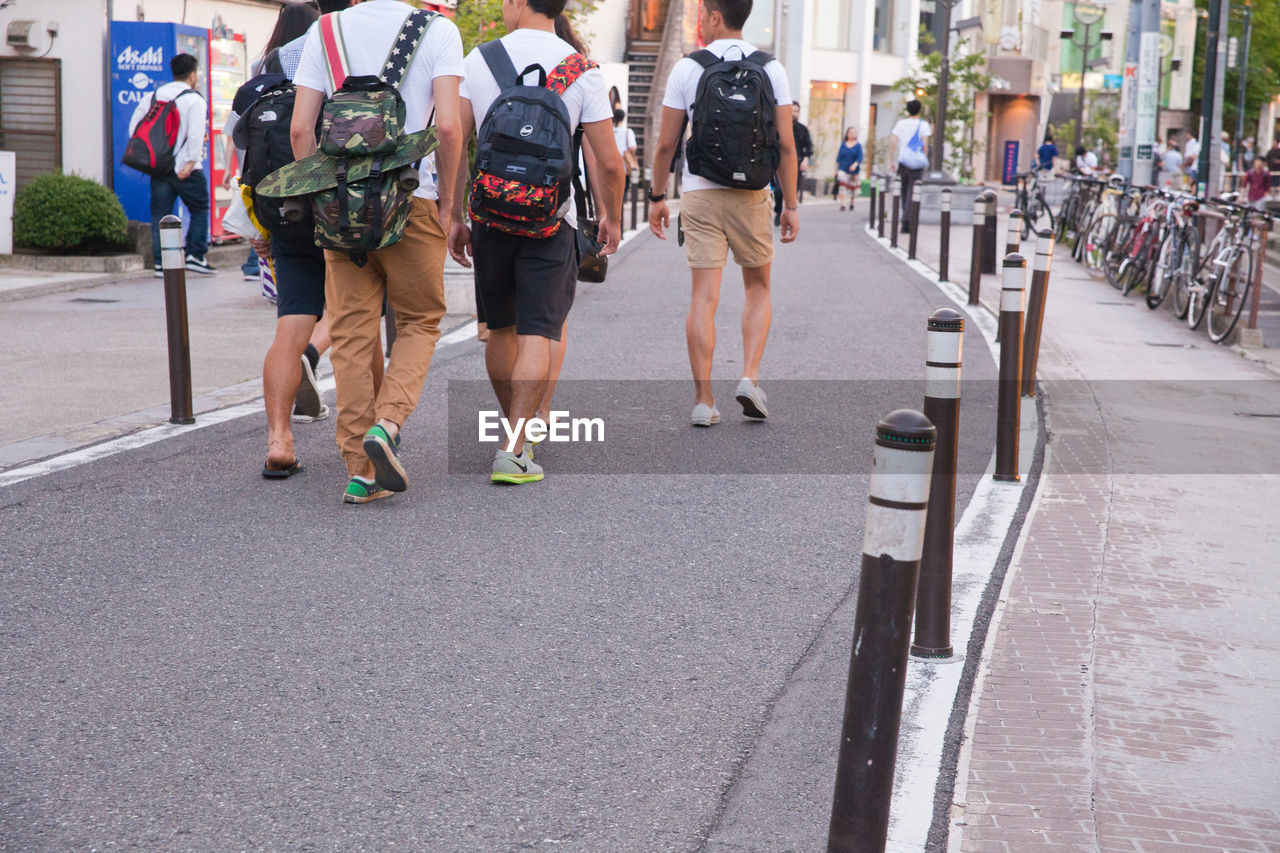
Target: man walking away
x=908 y=147
x=725 y=205
x=526 y=260
x=1046 y=154
x=409 y=273
x=187 y=181
x=804 y=149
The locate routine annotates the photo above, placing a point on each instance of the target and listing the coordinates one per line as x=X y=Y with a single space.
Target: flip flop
x=282 y=473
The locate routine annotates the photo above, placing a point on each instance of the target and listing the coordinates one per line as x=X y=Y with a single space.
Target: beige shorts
x=716 y=221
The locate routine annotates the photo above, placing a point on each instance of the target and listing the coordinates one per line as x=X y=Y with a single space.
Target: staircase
x=642 y=64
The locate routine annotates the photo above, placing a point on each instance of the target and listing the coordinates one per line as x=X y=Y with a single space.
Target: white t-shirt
x=189 y=146
x=1191 y=151
x=587 y=99
x=368 y=31
x=1087 y=163
x=1171 y=161
x=625 y=138
x=905 y=129
x=682 y=90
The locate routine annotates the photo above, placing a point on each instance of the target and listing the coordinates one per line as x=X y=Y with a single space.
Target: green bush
x=69 y=214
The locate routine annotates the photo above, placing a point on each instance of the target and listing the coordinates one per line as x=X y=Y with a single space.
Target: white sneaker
x=752 y=399
x=300 y=418
x=704 y=415
x=513 y=469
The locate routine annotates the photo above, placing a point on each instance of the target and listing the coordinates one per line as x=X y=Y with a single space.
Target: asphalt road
x=194 y=658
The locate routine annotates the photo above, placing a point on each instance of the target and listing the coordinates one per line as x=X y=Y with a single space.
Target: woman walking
x=848 y=165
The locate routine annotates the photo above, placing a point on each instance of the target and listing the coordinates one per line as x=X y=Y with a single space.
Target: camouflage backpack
x=362 y=129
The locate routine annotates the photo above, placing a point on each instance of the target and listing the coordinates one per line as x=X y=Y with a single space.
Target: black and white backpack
x=735 y=134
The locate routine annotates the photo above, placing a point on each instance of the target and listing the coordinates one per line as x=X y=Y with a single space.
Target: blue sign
x=140 y=54
x=1009 y=166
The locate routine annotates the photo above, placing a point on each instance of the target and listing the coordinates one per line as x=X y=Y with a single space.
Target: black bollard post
x=1012 y=242
x=173 y=261
x=884 y=193
x=1009 y=398
x=874 y=193
x=635 y=196
x=895 y=202
x=942 y=408
x=975 y=254
x=1035 y=311
x=989 y=256
x=944 y=244
x=915 y=223
x=648 y=188
x=900 y=479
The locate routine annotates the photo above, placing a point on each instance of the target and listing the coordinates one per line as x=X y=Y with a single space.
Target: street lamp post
x=1088 y=16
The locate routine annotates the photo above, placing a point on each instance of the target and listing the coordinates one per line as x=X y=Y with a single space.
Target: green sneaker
x=381 y=450
x=509 y=468
x=361 y=490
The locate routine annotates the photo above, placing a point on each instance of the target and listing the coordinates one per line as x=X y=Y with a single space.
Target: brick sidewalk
x=1129 y=702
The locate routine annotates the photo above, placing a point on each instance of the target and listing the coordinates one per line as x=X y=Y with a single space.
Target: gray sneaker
x=704 y=415
x=752 y=399
x=509 y=468
x=299 y=418
x=306 y=400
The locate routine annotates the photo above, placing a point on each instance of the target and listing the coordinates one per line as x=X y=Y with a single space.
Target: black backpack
x=525 y=150
x=265 y=107
x=735 y=135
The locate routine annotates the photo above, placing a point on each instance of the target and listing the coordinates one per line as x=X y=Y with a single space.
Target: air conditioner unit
x=22 y=34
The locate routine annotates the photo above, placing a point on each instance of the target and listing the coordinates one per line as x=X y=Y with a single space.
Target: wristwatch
x=658 y=197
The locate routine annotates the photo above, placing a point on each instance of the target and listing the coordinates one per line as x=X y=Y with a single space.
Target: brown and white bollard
x=895 y=201
x=901 y=472
x=1009 y=399
x=942 y=408
x=944 y=240
x=173 y=260
x=1012 y=242
x=914 y=207
x=1035 y=311
x=975 y=253
x=884 y=196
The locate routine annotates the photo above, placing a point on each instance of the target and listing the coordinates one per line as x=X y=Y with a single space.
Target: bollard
x=900 y=479
x=915 y=221
x=989 y=256
x=942 y=408
x=1035 y=311
x=648 y=188
x=1009 y=402
x=1012 y=242
x=895 y=202
x=1262 y=225
x=975 y=254
x=173 y=260
x=944 y=245
x=884 y=192
x=874 y=192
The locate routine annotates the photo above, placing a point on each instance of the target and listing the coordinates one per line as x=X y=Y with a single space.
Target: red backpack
x=151 y=147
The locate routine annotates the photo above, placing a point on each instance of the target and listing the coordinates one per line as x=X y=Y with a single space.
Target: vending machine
x=140 y=54
x=228 y=70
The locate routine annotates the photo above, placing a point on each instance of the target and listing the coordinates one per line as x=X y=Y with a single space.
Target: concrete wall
x=605 y=30
x=81 y=43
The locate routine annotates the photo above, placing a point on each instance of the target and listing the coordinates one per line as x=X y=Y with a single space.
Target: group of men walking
x=525 y=276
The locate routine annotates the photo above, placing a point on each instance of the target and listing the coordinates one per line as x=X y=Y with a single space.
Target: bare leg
x=281 y=371
x=500 y=361
x=553 y=374
x=700 y=331
x=756 y=316
x=518 y=367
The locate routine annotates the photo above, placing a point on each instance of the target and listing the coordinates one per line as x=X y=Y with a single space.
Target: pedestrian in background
x=848 y=166
x=187 y=181
x=1170 y=175
x=1258 y=184
x=1046 y=154
x=908 y=147
x=1273 y=164
x=1191 y=158
x=1086 y=162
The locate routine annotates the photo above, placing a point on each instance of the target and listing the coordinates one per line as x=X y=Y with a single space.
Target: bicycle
x=1147 y=236
x=1230 y=292
x=1178 y=253
x=1195 y=292
x=1029 y=198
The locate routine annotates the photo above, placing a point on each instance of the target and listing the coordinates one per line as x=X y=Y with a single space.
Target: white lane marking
x=462 y=333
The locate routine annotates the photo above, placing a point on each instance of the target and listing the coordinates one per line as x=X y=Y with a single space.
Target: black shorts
x=299 y=267
x=523 y=281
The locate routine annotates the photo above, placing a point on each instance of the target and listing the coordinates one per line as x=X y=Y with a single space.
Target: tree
x=966 y=78
x=1263 y=75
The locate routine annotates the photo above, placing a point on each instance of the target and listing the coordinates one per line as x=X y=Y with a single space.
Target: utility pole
x=1129 y=91
x=1148 y=93
x=1215 y=68
x=1243 y=72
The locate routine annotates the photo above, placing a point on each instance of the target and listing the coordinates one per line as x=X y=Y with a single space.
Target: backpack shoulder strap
x=760 y=57
x=405 y=47
x=496 y=57
x=567 y=72
x=705 y=58
x=335 y=50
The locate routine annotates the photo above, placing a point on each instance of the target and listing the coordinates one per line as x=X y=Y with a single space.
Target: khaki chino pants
x=410 y=274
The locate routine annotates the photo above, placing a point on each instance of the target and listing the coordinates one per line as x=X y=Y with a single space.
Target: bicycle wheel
x=1144 y=264
x=1162 y=271
x=1085 y=217
x=1230 y=295
x=1199 y=291
x=1065 y=215
x=1118 y=250
x=1093 y=246
x=1038 y=219
x=1184 y=274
